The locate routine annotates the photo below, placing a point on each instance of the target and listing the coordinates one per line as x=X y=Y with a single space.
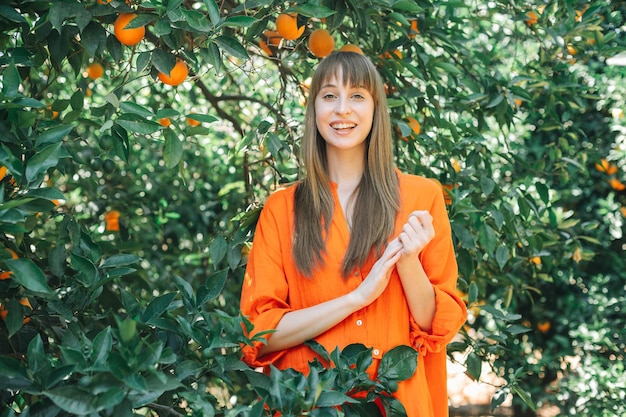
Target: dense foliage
x=127 y=205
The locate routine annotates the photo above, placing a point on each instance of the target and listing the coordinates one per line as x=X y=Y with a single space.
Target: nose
x=343 y=106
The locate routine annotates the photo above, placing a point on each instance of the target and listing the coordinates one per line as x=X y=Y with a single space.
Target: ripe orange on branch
x=95 y=71
x=321 y=43
x=128 y=36
x=531 y=18
x=287 y=26
x=177 y=75
x=414 y=125
x=350 y=47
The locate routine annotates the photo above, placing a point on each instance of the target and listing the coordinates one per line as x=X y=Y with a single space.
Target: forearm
x=418 y=291
x=298 y=326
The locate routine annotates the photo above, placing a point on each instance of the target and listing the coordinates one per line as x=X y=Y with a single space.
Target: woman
x=356 y=252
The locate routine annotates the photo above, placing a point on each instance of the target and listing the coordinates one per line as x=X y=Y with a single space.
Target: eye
x=328 y=96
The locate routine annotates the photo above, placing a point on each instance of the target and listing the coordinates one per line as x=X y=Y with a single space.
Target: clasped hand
x=415 y=235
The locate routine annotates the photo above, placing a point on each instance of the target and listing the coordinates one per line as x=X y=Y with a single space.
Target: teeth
x=342 y=126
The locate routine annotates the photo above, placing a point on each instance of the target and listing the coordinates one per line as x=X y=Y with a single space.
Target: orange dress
x=273 y=287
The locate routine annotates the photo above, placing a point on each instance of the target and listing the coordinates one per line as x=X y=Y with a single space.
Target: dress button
x=376 y=351
x=356 y=273
x=359 y=322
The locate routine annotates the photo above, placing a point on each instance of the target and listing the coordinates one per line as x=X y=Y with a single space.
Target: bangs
x=349 y=68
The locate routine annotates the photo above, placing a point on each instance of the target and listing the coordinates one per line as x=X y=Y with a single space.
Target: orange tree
x=127 y=235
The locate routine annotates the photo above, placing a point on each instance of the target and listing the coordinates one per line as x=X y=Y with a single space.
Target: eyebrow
x=355 y=87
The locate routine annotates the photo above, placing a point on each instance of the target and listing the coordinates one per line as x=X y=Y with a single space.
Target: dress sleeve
x=439 y=262
x=264 y=295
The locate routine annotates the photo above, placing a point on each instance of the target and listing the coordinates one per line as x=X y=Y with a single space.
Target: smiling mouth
x=343 y=126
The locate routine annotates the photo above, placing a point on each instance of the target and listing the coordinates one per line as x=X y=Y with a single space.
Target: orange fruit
x=571 y=50
x=192 y=122
x=95 y=71
x=272 y=37
x=414 y=124
x=5 y=275
x=3 y=172
x=177 y=75
x=617 y=185
x=350 y=47
x=165 y=122
x=264 y=47
x=321 y=43
x=544 y=326
x=287 y=26
x=531 y=18
x=393 y=54
x=104 y=1
x=414 y=29
x=606 y=167
x=131 y=36
x=112 y=220
x=536 y=260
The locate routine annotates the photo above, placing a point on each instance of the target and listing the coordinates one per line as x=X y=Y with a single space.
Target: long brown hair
x=377 y=196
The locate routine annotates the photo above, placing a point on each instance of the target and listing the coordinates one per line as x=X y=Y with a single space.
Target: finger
x=425 y=221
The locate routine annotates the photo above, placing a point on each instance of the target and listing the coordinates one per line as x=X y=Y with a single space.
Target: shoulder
x=282 y=199
x=411 y=183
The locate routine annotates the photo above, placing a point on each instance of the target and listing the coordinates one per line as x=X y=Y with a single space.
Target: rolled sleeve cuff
x=265 y=321
x=450 y=314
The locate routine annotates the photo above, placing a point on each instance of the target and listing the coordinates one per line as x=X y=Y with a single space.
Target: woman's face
x=344 y=115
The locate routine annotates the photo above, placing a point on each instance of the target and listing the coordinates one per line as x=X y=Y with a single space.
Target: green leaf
x=137 y=124
x=474 y=366
x=517 y=329
x=53 y=135
x=502 y=256
x=333 y=399
x=311 y=10
x=157 y=307
x=197 y=21
x=232 y=46
x=163 y=61
x=524 y=395
x=102 y=345
x=448 y=67
x=398 y=364
x=128 y=330
x=214 y=284
x=487 y=185
x=173 y=149
x=12 y=368
x=487 y=238
x=121 y=259
x=88 y=273
x=40 y=162
x=11 y=81
x=56 y=260
x=240 y=21
x=214 y=12
x=11 y=14
x=130 y=303
x=407 y=6
x=204 y=118
x=218 y=249
x=27 y=274
x=472 y=295
x=47 y=193
x=73 y=399
x=134 y=108
x=93 y=38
